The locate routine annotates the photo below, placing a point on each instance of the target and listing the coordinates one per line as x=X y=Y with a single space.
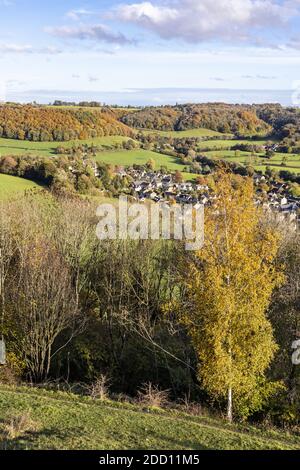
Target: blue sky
x=145 y=49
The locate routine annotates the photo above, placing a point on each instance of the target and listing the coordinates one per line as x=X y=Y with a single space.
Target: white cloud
x=97 y=32
x=195 y=21
x=147 y=14
x=78 y=14
x=27 y=49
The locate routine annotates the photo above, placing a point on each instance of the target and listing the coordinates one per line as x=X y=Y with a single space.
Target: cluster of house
x=279 y=199
x=160 y=187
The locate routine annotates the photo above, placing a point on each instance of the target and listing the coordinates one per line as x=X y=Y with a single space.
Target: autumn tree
x=151 y=164
x=178 y=178
x=229 y=285
x=40 y=306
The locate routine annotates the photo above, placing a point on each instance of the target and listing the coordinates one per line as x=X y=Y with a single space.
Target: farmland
x=141 y=157
x=215 y=148
x=115 y=157
x=188 y=133
x=280 y=161
x=219 y=149
x=46 y=149
x=219 y=143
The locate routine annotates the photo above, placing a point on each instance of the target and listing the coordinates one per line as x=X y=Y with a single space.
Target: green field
x=46 y=149
x=229 y=143
x=201 y=132
x=140 y=157
x=56 y=420
x=259 y=161
x=12 y=185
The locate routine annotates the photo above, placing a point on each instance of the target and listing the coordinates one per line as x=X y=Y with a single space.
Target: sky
x=150 y=52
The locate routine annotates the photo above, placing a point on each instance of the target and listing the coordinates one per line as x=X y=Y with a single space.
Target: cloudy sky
x=147 y=49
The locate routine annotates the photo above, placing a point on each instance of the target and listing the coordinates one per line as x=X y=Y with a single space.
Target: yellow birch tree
x=229 y=285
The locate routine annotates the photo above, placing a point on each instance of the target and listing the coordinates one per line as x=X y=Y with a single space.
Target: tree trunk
x=229 y=405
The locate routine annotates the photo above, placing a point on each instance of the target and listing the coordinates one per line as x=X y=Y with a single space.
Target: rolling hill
x=40 y=123
x=220 y=117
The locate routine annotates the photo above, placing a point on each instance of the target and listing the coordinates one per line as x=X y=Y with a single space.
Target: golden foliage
x=229 y=284
x=51 y=124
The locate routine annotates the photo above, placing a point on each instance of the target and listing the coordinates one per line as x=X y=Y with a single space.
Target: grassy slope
x=140 y=157
x=63 y=421
x=229 y=143
x=201 y=132
x=12 y=185
x=17 y=147
x=292 y=164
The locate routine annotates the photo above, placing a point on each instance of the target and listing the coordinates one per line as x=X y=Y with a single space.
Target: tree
x=151 y=164
x=229 y=284
x=270 y=153
x=178 y=178
x=43 y=307
x=8 y=165
x=42 y=313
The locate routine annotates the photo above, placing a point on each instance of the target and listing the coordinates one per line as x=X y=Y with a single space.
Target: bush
x=99 y=390
x=150 y=395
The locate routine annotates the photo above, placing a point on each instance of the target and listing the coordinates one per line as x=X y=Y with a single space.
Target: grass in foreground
x=12 y=185
x=36 y=419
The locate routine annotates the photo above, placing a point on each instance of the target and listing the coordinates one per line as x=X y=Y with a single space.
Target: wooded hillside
x=50 y=124
x=285 y=123
x=218 y=117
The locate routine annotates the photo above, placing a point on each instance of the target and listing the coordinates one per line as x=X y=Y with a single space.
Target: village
x=161 y=187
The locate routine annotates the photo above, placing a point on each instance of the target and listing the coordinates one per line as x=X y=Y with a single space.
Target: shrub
x=100 y=388
x=150 y=395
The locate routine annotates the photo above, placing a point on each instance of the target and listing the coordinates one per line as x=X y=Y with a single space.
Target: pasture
x=211 y=148
x=226 y=144
x=141 y=157
x=12 y=185
x=200 y=132
x=280 y=161
x=46 y=149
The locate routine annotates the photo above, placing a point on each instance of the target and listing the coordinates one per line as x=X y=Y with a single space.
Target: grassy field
x=12 y=185
x=25 y=147
x=140 y=157
x=259 y=161
x=201 y=132
x=32 y=419
x=229 y=143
